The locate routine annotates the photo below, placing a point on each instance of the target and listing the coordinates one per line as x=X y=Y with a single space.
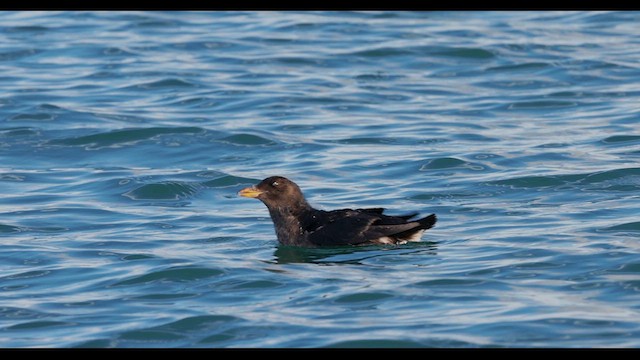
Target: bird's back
x=362 y=226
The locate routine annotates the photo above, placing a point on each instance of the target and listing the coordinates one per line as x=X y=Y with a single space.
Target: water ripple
x=122 y=154
x=122 y=137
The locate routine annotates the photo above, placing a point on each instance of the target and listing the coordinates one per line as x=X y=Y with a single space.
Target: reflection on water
x=347 y=254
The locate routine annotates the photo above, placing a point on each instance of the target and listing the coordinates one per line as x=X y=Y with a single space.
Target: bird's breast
x=288 y=229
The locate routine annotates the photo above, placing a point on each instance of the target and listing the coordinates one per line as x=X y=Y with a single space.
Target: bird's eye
x=275 y=183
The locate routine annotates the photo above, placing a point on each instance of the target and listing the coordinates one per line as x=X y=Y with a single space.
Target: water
x=124 y=138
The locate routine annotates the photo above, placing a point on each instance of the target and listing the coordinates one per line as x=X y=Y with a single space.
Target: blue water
x=124 y=137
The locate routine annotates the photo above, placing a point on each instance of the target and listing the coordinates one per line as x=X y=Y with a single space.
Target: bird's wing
x=355 y=227
x=408 y=216
x=375 y=232
x=380 y=211
x=346 y=228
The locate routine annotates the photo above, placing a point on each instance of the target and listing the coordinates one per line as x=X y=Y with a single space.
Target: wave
x=172 y=275
x=119 y=138
x=627 y=179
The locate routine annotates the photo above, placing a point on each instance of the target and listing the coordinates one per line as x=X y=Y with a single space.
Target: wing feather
x=346 y=230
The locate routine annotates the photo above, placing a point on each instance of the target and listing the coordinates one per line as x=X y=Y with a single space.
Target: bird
x=298 y=224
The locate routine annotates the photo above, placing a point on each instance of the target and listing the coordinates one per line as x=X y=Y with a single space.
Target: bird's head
x=275 y=191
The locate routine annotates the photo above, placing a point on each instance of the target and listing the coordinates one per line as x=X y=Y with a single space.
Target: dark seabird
x=298 y=224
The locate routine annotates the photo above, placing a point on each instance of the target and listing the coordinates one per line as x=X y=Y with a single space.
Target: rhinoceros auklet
x=298 y=224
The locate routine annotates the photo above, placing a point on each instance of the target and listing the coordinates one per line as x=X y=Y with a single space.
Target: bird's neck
x=291 y=210
x=290 y=230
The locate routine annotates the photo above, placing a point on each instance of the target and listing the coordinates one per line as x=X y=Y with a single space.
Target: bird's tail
x=415 y=233
x=427 y=222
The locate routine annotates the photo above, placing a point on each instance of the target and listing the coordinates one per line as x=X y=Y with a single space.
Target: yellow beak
x=250 y=192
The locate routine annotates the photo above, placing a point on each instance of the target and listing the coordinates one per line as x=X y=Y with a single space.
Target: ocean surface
x=125 y=137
